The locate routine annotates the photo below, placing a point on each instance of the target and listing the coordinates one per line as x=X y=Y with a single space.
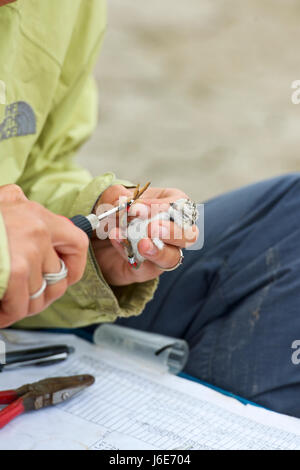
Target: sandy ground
x=197 y=94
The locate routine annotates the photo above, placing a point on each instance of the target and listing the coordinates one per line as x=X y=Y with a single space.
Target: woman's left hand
x=110 y=253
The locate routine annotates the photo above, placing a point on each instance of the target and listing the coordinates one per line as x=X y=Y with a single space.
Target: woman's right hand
x=37 y=240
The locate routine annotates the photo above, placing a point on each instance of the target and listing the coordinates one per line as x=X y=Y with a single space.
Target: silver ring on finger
x=180 y=261
x=54 y=278
x=40 y=291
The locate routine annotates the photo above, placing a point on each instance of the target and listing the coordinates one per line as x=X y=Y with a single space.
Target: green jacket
x=47 y=52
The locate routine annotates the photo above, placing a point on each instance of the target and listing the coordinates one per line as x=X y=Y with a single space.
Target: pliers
x=41 y=394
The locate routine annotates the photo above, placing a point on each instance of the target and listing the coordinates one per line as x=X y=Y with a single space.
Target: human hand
x=110 y=253
x=37 y=240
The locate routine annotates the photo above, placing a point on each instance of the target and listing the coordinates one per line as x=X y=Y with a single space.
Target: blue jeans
x=237 y=301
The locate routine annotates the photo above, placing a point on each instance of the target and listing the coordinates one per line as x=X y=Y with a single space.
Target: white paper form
x=133 y=408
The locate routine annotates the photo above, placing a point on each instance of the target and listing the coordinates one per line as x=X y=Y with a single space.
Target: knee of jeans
x=288 y=184
x=291 y=178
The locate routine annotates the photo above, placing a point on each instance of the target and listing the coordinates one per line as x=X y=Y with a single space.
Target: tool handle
x=11 y=412
x=83 y=223
x=36 y=354
x=7 y=397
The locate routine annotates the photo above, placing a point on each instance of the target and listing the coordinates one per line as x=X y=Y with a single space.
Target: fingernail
x=158 y=243
x=151 y=250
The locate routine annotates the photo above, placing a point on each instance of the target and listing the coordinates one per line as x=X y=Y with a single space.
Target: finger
x=166 y=258
x=75 y=265
x=52 y=292
x=148 y=208
x=171 y=234
x=36 y=281
x=165 y=194
x=15 y=303
x=71 y=244
x=57 y=290
x=112 y=194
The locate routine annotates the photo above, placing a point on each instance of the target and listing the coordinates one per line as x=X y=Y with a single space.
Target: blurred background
x=197 y=94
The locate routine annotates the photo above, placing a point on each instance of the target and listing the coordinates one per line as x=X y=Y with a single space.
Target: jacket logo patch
x=19 y=120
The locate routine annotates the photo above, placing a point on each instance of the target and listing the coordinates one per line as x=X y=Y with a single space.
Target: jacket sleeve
x=54 y=180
